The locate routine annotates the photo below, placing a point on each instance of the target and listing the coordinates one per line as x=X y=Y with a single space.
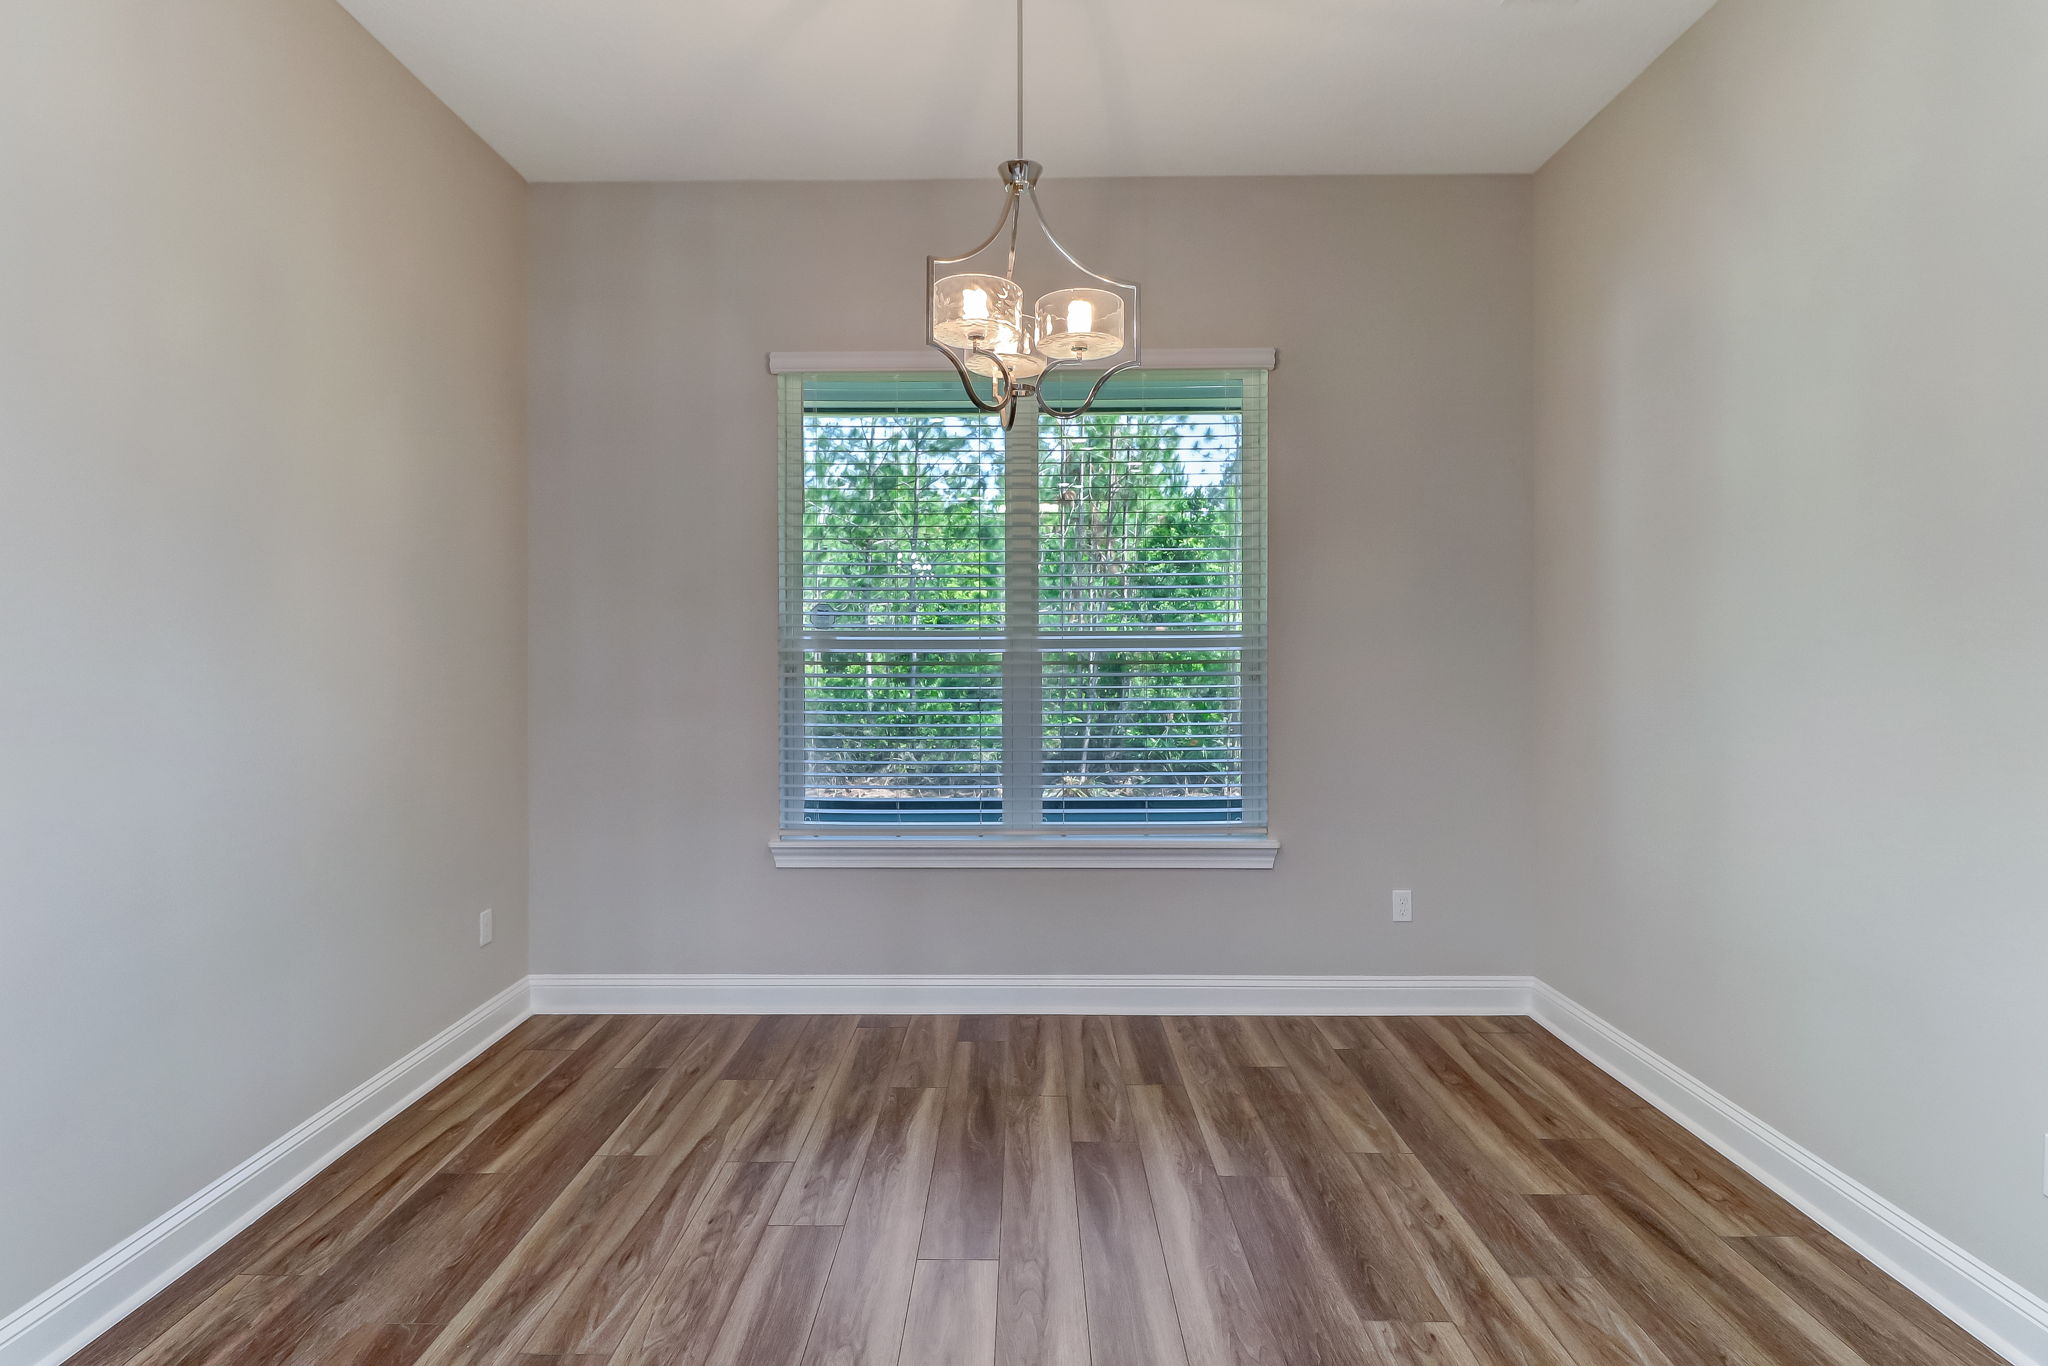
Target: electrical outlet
x=483 y=928
x=1404 y=906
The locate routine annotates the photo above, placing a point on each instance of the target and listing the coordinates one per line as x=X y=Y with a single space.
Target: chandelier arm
x=1007 y=391
x=1008 y=377
x=1086 y=403
x=1002 y=221
x=1038 y=211
x=1003 y=398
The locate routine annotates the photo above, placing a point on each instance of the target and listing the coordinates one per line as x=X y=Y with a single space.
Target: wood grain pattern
x=676 y=1324
x=1083 y=1191
x=1422 y=1344
x=1251 y=1040
x=1487 y=1196
x=1483 y=1110
x=820 y=1187
x=490 y=1233
x=381 y=1344
x=211 y=1331
x=593 y=1310
x=1672 y=1312
x=1314 y=1320
x=1775 y=1320
x=1041 y=1312
x=1585 y=1319
x=504 y=1310
x=927 y=1058
x=1213 y=1290
x=361 y=1289
x=963 y=1218
x=1377 y=1269
x=1497 y=1318
x=1888 y=1303
x=1035 y=1061
x=1141 y=1043
x=1214 y=1082
x=786 y=1117
x=1347 y=1111
x=770 y=1318
x=1095 y=1080
x=952 y=1317
x=860 y=1319
x=1131 y=1316
x=765 y=1053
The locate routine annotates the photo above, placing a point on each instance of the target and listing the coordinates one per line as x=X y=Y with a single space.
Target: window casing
x=1055 y=631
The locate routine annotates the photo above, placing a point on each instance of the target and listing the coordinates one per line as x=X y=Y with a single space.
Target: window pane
x=1141 y=520
x=902 y=738
x=903 y=522
x=1136 y=696
x=1142 y=736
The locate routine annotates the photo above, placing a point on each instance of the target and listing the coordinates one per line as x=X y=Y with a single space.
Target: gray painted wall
x=1400 y=573
x=261 y=612
x=1793 y=329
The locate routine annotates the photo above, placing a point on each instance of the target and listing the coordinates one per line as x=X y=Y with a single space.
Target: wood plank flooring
x=1025 y=1191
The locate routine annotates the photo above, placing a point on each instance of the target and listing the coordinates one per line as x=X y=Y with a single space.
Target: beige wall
x=1400 y=563
x=261 y=635
x=1793 y=333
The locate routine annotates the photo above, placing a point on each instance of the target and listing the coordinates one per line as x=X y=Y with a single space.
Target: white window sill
x=1023 y=851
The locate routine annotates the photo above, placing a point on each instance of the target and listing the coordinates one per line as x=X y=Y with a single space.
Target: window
x=1006 y=638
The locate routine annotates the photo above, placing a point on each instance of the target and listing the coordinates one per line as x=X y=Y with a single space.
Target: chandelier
x=977 y=318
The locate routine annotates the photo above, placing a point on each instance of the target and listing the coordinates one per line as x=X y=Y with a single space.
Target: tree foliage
x=1138 y=519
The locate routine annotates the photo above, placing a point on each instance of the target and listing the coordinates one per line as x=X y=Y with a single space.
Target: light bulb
x=973 y=303
x=1080 y=316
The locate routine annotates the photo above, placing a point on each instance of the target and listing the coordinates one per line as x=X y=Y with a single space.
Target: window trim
x=1024 y=851
x=1156 y=358
x=1193 y=846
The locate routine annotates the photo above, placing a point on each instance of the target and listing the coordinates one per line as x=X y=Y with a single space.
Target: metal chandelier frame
x=1020 y=188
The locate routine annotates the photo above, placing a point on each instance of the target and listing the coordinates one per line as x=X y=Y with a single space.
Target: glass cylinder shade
x=983 y=311
x=1020 y=362
x=1080 y=324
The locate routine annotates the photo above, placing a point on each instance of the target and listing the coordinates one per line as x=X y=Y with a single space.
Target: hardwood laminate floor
x=1032 y=1191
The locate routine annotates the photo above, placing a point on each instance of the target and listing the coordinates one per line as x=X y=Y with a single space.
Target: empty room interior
x=1024 y=683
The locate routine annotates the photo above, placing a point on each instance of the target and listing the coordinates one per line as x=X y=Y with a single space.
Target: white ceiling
x=920 y=89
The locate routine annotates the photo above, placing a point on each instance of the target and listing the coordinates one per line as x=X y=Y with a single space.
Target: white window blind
x=1060 y=628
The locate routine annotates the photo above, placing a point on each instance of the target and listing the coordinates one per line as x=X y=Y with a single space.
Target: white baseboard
x=85 y=1304
x=1072 y=994
x=2001 y=1313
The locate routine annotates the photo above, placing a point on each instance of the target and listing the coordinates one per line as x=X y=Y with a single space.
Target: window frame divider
x=1023 y=662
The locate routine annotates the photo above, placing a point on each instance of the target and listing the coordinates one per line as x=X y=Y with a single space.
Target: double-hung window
x=1045 y=645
